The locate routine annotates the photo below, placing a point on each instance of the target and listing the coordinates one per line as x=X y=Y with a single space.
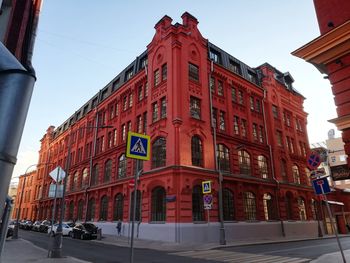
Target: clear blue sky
x=81 y=45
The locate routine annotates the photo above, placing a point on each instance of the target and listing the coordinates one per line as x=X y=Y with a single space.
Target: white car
x=66 y=228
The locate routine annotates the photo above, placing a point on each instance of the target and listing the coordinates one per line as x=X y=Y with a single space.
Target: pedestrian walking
x=119 y=227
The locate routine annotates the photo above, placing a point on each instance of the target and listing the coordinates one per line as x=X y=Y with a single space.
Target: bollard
x=99 y=233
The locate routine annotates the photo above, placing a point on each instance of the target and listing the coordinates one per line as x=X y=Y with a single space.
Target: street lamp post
x=15 y=231
x=56 y=251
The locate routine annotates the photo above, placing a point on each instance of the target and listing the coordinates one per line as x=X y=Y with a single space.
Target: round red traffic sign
x=313 y=160
x=131 y=183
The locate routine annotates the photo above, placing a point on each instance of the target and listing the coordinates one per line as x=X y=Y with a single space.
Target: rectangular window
x=212 y=85
x=261 y=134
x=163 y=108
x=251 y=99
x=115 y=137
x=288 y=143
x=252 y=77
x=129 y=73
x=164 y=72
x=110 y=139
x=130 y=100
x=129 y=126
x=195 y=108
x=215 y=56
x=255 y=132
x=214 y=121
x=116 y=108
x=144 y=122
x=123 y=132
x=257 y=105
x=279 y=138
x=154 y=112
x=146 y=89
x=193 y=72
x=156 y=77
x=125 y=103
x=244 y=128
x=233 y=94
x=275 y=111
x=139 y=93
x=139 y=124
x=222 y=120
x=236 y=125
x=240 y=97
x=220 y=88
x=292 y=146
x=235 y=67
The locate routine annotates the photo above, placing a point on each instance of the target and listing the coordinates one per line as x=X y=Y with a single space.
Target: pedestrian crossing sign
x=138 y=146
x=206 y=187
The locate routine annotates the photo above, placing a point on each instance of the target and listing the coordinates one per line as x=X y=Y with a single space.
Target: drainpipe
x=277 y=190
x=15 y=94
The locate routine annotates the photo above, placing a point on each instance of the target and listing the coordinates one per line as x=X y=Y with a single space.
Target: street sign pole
x=332 y=223
x=134 y=212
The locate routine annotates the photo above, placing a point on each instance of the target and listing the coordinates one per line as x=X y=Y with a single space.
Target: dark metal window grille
x=108 y=171
x=159 y=152
x=228 y=205
x=104 y=208
x=223 y=157
x=91 y=210
x=244 y=162
x=80 y=210
x=94 y=178
x=263 y=169
x=268 y=207
x=122 y=166
x=193 y=72
x=197 y=151
x=118 y=207
x=197 y=204
x=195 y=108
x=158 y=209
x=138 y=206
x=249 y=206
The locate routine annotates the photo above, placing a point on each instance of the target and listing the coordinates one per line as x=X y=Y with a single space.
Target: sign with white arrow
x=58 y=174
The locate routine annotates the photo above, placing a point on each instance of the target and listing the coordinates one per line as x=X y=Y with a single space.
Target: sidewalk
x=22 y=251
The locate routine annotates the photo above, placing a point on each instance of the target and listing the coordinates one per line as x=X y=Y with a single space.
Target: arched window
x=122 y=166
x=80 y=210
x=108 y=171
x=75 y=181
x=197 y=204
x=95 y=171
x=228 y=205
x=263 y=169
x=244 y=162
x=314 y=209
x=307 y=174
x=289 y=206
x=296 y=176
x=91 y=210
x=197 y=151
x=249 y=206
x=268 y=207
x=84 y=180
x=118 y=207
x=158 y=209
x=302 y=210
x=223 y=157
x=104 y=208
x=71 y=211
x=138 y=205
x=284 y=170
x=159 y=152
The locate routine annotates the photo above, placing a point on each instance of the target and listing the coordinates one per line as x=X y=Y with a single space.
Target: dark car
x=28 y=225
x=10 y=228
x=84 y=231
x=44 y=226
x=36 y=226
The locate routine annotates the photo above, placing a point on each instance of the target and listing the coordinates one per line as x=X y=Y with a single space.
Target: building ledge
x=342 y=122
x=326 y=48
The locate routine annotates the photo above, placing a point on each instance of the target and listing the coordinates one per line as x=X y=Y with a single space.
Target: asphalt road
x=301 y=251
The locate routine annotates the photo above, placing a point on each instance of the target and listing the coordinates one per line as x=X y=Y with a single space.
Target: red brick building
x=260 y=132
x=330 y=54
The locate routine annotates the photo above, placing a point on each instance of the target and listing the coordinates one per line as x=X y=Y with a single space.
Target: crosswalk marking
x=238 y=257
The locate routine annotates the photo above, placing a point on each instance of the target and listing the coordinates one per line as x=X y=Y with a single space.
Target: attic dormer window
x=215 y=56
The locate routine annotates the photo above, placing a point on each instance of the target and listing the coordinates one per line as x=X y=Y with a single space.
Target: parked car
x=66 y=228
x=44 y=226
x=84 y=231
x=28 y=225
x=10 y=228
x=21 y=224
x=36 y=226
